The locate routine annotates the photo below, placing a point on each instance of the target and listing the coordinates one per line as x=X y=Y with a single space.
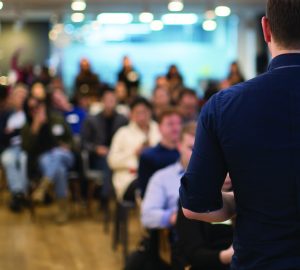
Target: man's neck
x=183 y=164
x=168 y=144
x=277 y=50
x=108 y=113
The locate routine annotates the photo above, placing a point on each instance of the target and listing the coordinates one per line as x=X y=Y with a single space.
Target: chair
x=95 y=178
x=120 y=230
x=121 y=222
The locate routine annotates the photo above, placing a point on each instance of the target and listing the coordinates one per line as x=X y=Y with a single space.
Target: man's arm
x=223 y=214
x=201 y=186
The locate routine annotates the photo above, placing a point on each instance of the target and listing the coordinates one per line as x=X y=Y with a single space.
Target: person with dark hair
x=97 y=134
x=87 y=81
x=47 y=140
x=161 y=100
x=175 y=82
x=129 y=77
x=127 y=145
x=259 y=146
x=165 y=152
x=188 y=105
x=234 y=76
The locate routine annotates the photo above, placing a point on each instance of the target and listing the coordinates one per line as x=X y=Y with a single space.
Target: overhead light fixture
x=175 y=5
x=209 y=25
x=115 y=18
x=222 y=11
x=179 y=19
x=78 y=5
x=146 y=17
x=156 y=25
x=1 y=5
x=77 y=17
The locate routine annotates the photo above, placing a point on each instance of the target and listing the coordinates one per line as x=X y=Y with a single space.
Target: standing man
x=252 y=131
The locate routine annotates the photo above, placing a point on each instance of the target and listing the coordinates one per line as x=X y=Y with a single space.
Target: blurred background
x=205 y=37
x=96 y=97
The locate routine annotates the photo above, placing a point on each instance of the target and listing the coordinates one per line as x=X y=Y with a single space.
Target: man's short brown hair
x=167 y=112
x=189 y=128
x=284 y=19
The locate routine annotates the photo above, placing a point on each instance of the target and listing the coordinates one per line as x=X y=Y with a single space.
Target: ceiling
x=44 y=9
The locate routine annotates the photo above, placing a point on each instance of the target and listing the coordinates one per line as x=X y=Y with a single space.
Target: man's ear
x=266 y=29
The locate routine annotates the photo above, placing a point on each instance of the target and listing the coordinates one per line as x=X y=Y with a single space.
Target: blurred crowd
x=140 y=145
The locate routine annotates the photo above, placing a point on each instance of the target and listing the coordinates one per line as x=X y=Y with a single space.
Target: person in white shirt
x=127 y=145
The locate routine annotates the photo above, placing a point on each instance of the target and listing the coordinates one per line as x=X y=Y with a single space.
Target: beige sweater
x=122 y=157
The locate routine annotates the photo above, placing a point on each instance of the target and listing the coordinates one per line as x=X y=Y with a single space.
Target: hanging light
x=77 y=17
x=115 y=18
x=146 y=17
x=1 y=5
x=175 y=5
x=156 y=25
x=222 y=11
x=179 y=18
x=209 y=25
x=78 y=5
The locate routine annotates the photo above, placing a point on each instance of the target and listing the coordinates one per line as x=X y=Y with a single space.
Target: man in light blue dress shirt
x=160 y=204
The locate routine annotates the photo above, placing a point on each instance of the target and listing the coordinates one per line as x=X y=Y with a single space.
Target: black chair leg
x=116 y=230
x=124 y=232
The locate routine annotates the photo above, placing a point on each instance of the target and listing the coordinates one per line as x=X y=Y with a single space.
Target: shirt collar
x=179 y=169
x=285 y=60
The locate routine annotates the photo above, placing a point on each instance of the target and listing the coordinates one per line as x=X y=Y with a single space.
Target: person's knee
x=7 y=158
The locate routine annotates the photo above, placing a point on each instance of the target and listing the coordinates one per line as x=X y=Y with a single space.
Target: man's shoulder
x=243 y=87
x=166 y=172
x=150 y=152
x=242 y=91
x=121 y=118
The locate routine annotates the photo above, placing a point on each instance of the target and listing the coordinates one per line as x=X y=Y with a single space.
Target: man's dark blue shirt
x=152 y=160
x=252 y=131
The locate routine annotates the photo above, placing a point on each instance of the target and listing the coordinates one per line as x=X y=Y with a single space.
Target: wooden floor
x=43 y=245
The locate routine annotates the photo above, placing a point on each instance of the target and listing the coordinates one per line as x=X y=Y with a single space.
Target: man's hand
x=226 y=255
x=139 y=150
x=173 y=218
x=221 y=215
x=39 y=118
x=102 y=150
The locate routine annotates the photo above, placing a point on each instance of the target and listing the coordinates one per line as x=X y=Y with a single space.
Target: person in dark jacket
x=47 y=139
x=97 y=133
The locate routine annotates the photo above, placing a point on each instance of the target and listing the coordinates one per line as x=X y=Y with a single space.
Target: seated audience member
x=130 y=77
x=73 y=115
x=162 y=81
x=176 y=82
x=203 y=245
x=47 y=140
x=97 y=134
x=234 y=76
x=4 y=114
x=127 y=145
x=161 y=100
x=122 y=99
x=13 y=159
x=160 y=204
x=164 y=153
x=87 y=81
x=188 y=105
